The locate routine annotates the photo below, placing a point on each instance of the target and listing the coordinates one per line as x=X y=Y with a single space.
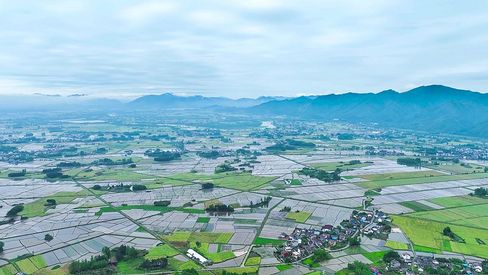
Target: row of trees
x=222 y=208
x=412 y=162
x=321 y=174
x=159 y=155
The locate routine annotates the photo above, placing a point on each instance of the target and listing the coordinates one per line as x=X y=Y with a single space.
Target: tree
x=390 y=256
x=1 y=246
x=48 y=237
x=96 y=187
x=359 y=268
x=50 y=202
x=15 y=210
x=447 y=231
x=106 y=252
x=320 y=255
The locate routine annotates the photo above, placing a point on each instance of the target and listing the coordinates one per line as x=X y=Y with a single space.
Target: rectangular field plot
x=459 y=201
x=419 y=180
x=475 y=215
x=428 y=234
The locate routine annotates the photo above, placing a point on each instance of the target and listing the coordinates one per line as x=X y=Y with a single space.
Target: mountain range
x=434 y=108
x=198 y=101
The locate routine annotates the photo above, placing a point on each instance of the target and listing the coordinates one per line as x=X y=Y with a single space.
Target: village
x=303 y=242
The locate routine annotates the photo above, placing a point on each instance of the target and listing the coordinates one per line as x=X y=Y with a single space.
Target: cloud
x=239 y=48
x=147 y=11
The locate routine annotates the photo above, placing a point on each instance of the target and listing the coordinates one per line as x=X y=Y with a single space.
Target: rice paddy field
x=267 y=196
x=428 y=233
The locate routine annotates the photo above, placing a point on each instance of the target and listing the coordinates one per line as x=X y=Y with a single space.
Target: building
x=195 y=255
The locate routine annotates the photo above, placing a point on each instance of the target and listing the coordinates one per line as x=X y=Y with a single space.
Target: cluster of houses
x=302 y=242
x=425 y=264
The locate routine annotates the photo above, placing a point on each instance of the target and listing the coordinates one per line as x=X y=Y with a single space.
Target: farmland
x=164 y=189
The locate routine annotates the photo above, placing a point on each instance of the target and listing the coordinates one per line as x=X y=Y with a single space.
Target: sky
x=242 y=48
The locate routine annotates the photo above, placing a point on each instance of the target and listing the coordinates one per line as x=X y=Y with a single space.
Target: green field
x=242 y=270
x=396 y=245
x=161 y=251
x=375 y=257
x=8 y=270
x=457 y=168
x=239 y=181
x=31 y=264
x=418 y=180
x=283 y=267
x=402 y=175
x=416 y=206
x=428 y=234
x=472 y=215
x=253 y=261
x=296 y=182
x=267 y=241
x=130 y=266
x=216 y=257
x=204 y=237
x=458 y=201
x=175 y=264
x=37 y=208
x=332 y=166
x=203 y=219
x=301 y=216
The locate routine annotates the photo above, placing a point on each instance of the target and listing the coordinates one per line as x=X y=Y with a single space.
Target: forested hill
x=174 y=101
x=432 y=108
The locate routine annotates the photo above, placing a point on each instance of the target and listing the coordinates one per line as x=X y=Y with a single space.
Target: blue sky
x=241 y=48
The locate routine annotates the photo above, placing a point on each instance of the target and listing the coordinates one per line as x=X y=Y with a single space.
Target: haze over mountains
x=432 y=108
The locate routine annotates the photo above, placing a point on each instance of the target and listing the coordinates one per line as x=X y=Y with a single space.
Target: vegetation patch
x=396 y=245
x=203 y=219
x=253 y=261
x=416 y=206
x=375 y=257
x=161 y=251
x=429 y=234
x=283 y=267
x=203 y=237
x=301 y=216
x=267 y=241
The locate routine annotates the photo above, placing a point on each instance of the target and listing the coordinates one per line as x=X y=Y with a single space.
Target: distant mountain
x=432 y=108
x=169 y=100
x=45 y=102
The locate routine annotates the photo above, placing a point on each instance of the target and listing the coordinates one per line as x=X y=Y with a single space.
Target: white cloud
x=211 y=17
x=146 y=11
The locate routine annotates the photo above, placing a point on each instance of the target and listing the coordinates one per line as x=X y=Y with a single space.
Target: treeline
x=17 y=174
x=161 y=156
x=102 y=263
x=411 y=162
x=209 y=154
x=224 y=167
x=70 y=164
x=121 y=187
x=321 y=174
x=222 y=208
x=289 y=144
x=54 y=173
x=262 y=203
x=480 y=192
